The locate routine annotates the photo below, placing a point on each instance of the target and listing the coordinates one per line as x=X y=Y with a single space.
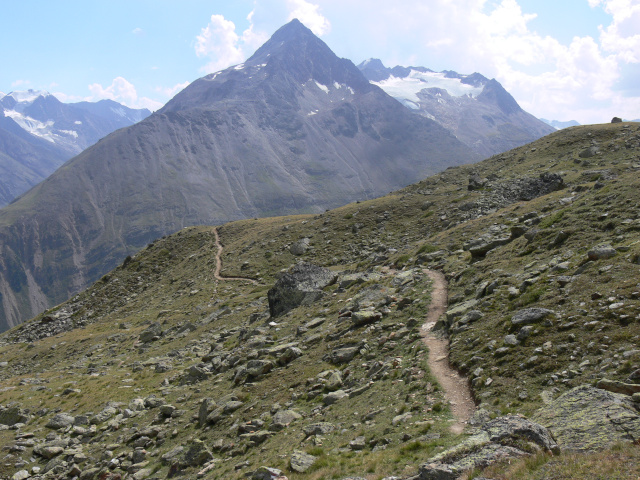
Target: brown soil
x=455 y=386
x=219 y=263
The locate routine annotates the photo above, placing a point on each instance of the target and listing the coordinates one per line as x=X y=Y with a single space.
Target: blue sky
x=566 y=59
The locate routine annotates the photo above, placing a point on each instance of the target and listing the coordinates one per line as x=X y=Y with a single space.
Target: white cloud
x=222 y=46
x=581 y=78
x=122 y=91
x=220 y=43
x=309 y=14
x=138 y=31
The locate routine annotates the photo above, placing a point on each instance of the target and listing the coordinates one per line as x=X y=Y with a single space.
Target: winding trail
x=455 y=386
x=216 y=273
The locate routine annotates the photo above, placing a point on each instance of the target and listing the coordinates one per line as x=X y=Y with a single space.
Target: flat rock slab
x=588 y=418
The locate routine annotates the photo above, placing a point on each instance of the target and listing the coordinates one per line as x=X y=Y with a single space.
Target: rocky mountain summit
x=38 y=133
x=294 y=129
x=164 y=368
x=477 y=110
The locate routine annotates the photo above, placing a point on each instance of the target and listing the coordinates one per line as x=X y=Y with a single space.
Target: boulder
x=282 y=419
x=588 y=418
x=364 y=317
x=153 y=332
x=601 y=252
x=343 y=354
x=195 y=454
x=333 y=397
x=500 y=439
x=618 y=387
x=61 y=420
x=12 y=416
x=321 y=428
x=301 y=461
x=300 y=247
x=589 y=152
x=302 y=285
x=266 y=473
x=530 y=315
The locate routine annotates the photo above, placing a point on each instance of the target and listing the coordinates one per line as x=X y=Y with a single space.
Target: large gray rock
x=266 y=473
x=61 y=420
x=301 y=461
x=282 y=419
x=195 y=454
x=153 y=331
x=321 y=428
x=601 y=252
x=588 y=418
x=530 y=315
x=302 y=285
x=13 y=415
x=500 y=439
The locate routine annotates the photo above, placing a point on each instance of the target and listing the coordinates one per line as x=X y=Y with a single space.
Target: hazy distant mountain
x=293 y=129
x=479 y=111
x=558 y=125
x=38 y=133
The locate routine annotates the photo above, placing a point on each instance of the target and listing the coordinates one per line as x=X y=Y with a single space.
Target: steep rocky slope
x=478 y=111
x=160 y=369
x=294 y=129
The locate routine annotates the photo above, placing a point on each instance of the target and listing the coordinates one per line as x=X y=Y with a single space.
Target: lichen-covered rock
x=152 y=332
x=282 y=419
x=601 y=252
x=301 y=461
x=530 y=315
x=588 y=418
x=12 y=415
x=499 y=439
x=302 y=285
x=321 y=428
x=61 y=420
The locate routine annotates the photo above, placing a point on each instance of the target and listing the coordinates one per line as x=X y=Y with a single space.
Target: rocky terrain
x=303 y=355
x=294 y=129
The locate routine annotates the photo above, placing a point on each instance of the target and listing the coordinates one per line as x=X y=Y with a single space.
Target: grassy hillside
x=134 y=358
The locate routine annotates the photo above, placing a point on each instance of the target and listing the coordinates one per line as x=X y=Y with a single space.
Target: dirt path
x=218 y=269
x=455 y=386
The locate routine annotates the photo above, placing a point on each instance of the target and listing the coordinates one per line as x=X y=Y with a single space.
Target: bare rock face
x=588 y=418
x=507 y=437
x=301 y=286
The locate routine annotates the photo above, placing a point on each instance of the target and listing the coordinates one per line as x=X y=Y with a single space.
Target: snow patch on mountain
x=406 y=89
x=322 y=87
x=119 y=111
x=28 y=96
x=33 y=126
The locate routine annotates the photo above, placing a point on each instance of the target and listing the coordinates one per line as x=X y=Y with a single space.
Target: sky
x=561 y=60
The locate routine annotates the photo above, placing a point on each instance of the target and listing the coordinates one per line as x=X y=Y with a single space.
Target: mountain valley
x=304 y=354
x=294 y=129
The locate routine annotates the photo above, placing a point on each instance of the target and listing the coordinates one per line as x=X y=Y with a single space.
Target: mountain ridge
x=249 y=141
x=40 y=133
x=478 y=110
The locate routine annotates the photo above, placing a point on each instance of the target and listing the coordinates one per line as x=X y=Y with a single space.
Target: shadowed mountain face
x=38 y=133
x=294 y=129
x=478 y=111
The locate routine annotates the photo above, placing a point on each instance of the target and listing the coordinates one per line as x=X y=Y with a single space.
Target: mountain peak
x=28 y=95
x=290 y=39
